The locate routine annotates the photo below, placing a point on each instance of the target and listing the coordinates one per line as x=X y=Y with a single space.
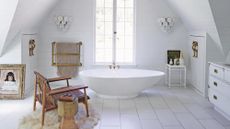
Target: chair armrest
x=66 y=89
x=58 y=79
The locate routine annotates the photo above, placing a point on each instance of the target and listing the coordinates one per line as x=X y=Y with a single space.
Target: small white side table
x=170 y=74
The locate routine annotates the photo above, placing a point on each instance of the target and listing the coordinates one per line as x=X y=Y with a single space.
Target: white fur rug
x=33 y=120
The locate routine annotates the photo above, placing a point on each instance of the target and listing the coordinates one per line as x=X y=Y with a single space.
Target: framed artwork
x=173 y=54
x=12 y=84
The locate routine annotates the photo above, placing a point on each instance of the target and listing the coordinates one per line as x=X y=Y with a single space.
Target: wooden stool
x=67 y=109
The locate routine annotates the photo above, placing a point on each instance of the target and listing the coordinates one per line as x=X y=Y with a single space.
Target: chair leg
x=43 y=114
x=86 y=103
x=35 y=94
x=43 y=104
x=34 y=108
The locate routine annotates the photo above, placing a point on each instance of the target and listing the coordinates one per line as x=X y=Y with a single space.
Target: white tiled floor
x=156 y=108
x=160 y=108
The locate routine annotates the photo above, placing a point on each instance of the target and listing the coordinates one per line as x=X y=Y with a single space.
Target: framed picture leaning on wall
x=12 y=84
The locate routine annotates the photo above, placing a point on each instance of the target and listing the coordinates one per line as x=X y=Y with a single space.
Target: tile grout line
x=155 y=112
x=198 y=120
x=172 y=111
x=137 y=112
x=120 y=112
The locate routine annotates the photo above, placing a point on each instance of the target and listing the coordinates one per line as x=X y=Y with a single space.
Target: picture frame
x=12 y=81
x=173 y=54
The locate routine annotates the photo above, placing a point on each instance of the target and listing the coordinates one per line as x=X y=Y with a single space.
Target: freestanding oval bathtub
x=121 y=83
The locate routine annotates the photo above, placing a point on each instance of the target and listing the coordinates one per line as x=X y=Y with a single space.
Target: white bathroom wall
x=13 y=56
x=30 y=61
x=151 y=42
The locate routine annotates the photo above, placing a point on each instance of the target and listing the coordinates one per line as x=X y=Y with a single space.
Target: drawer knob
x=215 y=83
x=215 y=71
x=215 y=97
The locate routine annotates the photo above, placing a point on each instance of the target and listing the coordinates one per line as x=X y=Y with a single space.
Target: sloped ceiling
x=7 y=10
x=198 y=17
x=27 y=18
x=221 y=10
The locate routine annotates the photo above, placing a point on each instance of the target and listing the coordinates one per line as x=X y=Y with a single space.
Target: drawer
x=215 y=83
x=225 y=89
x=220 y=86
x=227 y=75
x=216 y=71
x=220 y=101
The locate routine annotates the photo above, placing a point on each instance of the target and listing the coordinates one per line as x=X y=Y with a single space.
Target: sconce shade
x=166 y=23
x=63 y=22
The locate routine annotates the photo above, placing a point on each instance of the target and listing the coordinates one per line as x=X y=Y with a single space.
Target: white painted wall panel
x=30 y=61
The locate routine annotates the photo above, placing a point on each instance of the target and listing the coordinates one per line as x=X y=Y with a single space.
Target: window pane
x=120 y=55
x=120 y=28
x=100 y=55
x=128 y=55
x=120 y=14
x=129 y=14
x=100 y=3
x=128 y=28
x=120 y=42
x=100 y=14
x=120 y=3
x=100 y=28
x=109 y=3
x=109 y=14
x=108 y=55
x=128 y=42
x=124 y=24
x=104 y=31
x=100 y=42
x=108 y=28
x=109 y=42
x=129 y=3
x=125 y=31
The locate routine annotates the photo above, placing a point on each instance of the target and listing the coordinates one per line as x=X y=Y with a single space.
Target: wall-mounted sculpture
x=31 y=47
x=195 y=49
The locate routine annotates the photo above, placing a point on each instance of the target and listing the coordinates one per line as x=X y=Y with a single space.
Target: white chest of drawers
x=219 y=88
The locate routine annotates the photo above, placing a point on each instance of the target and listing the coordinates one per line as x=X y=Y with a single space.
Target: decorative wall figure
x=31 y=47
x=195 y=48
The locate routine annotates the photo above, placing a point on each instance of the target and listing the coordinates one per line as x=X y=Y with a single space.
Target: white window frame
x=114 y=37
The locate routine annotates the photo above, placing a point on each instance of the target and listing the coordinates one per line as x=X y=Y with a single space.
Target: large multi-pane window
x=114 y=31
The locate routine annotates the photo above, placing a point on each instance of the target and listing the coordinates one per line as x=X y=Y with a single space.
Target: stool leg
x=86 y=103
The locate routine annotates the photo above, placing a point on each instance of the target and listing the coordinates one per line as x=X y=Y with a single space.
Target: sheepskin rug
x=33 y=120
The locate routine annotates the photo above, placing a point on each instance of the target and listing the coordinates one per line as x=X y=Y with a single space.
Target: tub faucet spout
x=114 y=66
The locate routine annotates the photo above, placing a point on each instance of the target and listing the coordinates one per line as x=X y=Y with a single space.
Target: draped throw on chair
x=67 y=58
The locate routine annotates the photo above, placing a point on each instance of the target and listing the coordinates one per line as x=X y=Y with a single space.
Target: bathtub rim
x=122 y=77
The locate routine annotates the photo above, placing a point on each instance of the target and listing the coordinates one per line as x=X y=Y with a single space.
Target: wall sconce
x=166 y=23
x=63 y=22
